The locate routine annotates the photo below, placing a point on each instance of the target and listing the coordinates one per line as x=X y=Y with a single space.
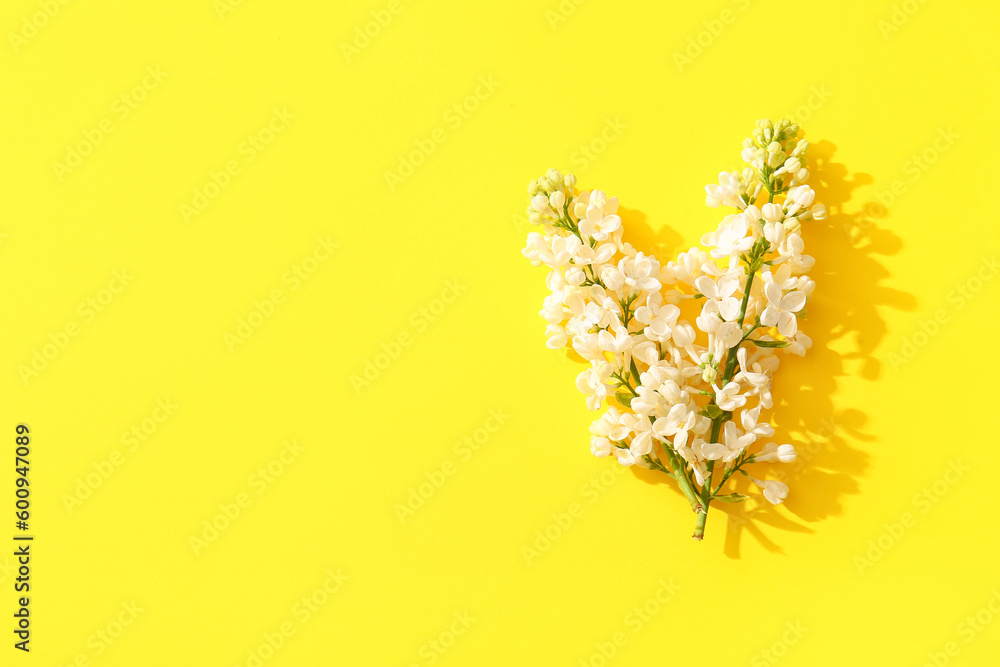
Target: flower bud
x=683 y=335
x=804 y=196
x=772 y=212
x=786 y=453
x=600 y=446
x=575 y=276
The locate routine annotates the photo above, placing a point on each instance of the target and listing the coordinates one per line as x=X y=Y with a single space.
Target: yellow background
x=807 y=582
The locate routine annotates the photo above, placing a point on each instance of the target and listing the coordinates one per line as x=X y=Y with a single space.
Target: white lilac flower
x=599 y=254
x=642 y=441
x=751 y=373
x=677 y=423
x=726 y=192
x=749 y=420
x=597 y=225
x=586 y=346
x=774 y=452
x=774 y=491
x=556 y=337
x=625 y=457
x=646 y=351
x=658 y=317
x=575 y=276
x=616 y=342
x=593 y=383
x=641 y=273
x=728 y=397
x=721 y=292
x=600 y=447
x=732 y=446
x=728 y=336
x=649 y=402
x=732 y=237
x=613 y=425
x=562 y=251
x=624 y=312
x=772 y=212
x=799 y=344
x=709 y=320
x=781 y=309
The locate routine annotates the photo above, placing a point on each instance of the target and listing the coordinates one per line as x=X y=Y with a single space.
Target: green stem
x=729 y=473
x=699 y=525
x=706 y=490
x=687 y=488
x=656 y=465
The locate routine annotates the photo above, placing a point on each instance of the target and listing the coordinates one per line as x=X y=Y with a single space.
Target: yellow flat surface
x=266 y=318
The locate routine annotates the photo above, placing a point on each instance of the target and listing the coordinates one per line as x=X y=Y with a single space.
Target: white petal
x=772 y=291
x=793 y=301
x=787 y=325
x=770 y=315
x=729 y=308
x=729 y=334
x=713 y=451
x=707 y=287
x=642 y=444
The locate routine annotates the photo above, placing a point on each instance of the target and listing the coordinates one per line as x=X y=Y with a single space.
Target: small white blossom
x=781 y=309
x=732 y=446
x=600 y=447
x=749 y=419
x=557 y=337
x=618 y=342
x=774 y=491
x=597 y=225
x=732 y=238
x=774 y=452
x=658 y=317
x=593 y=383
x=729 y=397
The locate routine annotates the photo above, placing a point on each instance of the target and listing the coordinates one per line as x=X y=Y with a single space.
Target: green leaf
x=625 y=398
x=712 y=411
x=732 y=498
x=769 y=343
x=635 y=371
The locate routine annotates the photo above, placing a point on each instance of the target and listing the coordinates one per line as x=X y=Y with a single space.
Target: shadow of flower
x=661 y=244
x=846 y=326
